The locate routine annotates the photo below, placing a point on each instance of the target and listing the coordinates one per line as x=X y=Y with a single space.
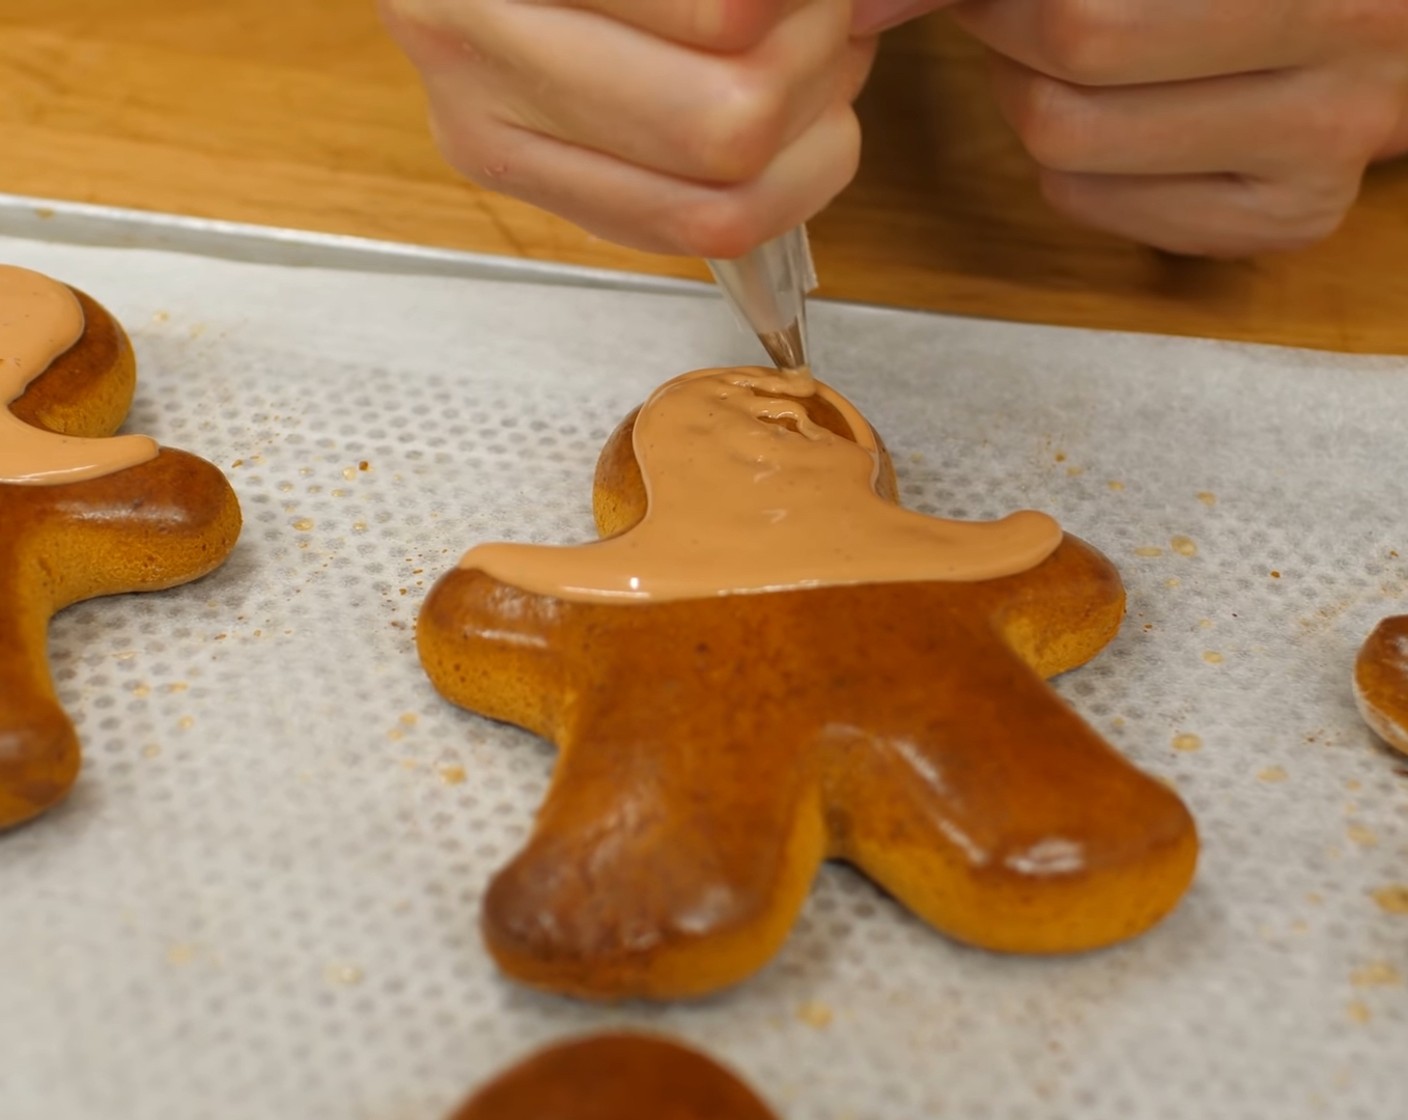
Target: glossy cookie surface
x=714 y=750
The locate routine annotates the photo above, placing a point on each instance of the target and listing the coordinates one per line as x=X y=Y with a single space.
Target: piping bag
x=767 y=290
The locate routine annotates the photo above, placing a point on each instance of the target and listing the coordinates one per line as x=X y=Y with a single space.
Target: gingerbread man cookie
x=1381 y=681
x=83 y=515
x=768 y=663
x=615 y=1077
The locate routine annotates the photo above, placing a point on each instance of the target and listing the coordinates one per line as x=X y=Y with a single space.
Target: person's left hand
x=1217 y=129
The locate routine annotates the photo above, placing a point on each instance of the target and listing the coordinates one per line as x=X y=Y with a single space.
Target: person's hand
x=1219 y=129
x=700 y=127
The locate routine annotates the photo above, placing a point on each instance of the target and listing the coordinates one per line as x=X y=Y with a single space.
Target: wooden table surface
x=301 y=113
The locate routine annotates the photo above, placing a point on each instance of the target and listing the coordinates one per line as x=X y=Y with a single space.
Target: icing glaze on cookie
x=40 y=319
x=746 y=493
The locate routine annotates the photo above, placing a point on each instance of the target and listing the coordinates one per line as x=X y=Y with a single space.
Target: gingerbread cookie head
x=1381 y=681
x=740 y=488
x=615 y=1077
x=734 y=703
x=85 y=513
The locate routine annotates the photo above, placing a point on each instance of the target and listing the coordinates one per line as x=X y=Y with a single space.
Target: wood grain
x=304 y=115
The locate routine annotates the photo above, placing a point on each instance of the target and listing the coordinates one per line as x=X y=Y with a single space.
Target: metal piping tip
x=767 y=290
x=788 y=347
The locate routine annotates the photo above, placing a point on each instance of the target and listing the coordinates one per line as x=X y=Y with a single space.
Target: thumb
x=870 y=17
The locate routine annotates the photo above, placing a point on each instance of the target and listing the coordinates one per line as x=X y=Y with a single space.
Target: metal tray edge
x=83 y=223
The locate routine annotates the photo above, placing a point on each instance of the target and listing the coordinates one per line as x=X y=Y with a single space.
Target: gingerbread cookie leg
x=1381 y=681
x=649 y=902
x=673 y=852
x=83 y=517
x=997 y=814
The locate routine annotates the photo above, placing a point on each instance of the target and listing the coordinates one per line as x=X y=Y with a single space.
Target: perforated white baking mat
x=261 y=901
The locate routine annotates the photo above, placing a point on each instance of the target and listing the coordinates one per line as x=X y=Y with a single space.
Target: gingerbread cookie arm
x=615 y=1077
x=149 y=527
x=1381 y=681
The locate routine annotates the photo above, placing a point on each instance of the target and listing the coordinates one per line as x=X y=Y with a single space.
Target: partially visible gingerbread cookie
x=767 y=663
x=1381 y=681
x=83 y=515
x=615 y=1077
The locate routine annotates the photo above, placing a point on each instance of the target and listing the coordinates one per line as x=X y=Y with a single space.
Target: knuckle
x=741 y=130
x=1086 y=42
x=1053 y=122
x=1361 y=127
x=427 y=33
x=470 y=148
x=397 y=14
x=859 y=60
x=1307 y=212
x=410 y=22
x=848 y=147
x=718 y=227
x=1341 y=123
x=732 y=25
x=1061 y=191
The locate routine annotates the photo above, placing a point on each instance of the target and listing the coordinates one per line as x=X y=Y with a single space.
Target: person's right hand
x=698 y=127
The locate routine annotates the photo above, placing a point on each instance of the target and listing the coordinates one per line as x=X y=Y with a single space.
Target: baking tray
x=261 y=899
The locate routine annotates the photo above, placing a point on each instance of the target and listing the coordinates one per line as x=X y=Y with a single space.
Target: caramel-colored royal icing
x=746 y=493
x=40 y=319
